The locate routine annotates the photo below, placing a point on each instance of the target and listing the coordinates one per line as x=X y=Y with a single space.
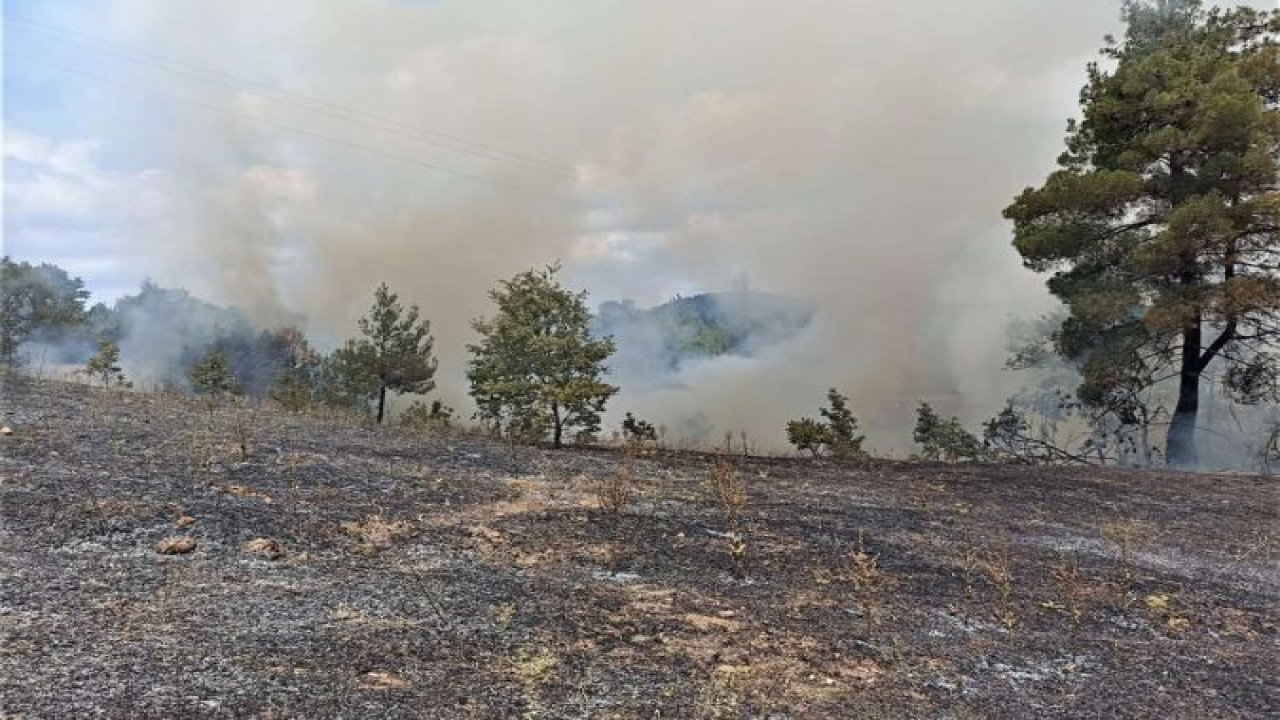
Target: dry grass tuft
x=176 y=545
x=376 y=533
x=265 y=547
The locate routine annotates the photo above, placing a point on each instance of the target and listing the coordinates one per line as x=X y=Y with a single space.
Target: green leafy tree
x=807 y=434
x=944 y=438
x=537 y=370
x=105 y=365
x=212 y=375
x=34 y=299
x=1162 y=223
x=395 y=354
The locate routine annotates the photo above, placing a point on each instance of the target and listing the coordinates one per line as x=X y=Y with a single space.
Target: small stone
x=6 y=430
x=266 y=547
x=176 y=545
x=186 y=520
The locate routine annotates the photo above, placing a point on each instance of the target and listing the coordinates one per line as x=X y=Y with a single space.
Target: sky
x=288 y=156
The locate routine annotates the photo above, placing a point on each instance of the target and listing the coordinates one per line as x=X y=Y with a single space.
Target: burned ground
x=403 y=574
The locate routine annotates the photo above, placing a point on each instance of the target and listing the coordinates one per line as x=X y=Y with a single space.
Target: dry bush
x=997 y=566
x=1128 y=537
x=729 y=490
x=1071 y=590
x=241 y=424
x=616 y=489
x=868 y=578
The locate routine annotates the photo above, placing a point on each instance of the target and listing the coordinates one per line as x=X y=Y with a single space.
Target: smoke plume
x=854 y=155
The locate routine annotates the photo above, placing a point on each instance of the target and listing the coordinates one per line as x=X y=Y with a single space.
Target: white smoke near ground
x=851 y=154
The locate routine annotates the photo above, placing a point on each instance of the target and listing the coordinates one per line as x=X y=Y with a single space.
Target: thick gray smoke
x=852 y=154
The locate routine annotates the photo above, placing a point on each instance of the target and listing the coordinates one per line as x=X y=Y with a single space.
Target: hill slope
x=657 y=340
x=453 y=577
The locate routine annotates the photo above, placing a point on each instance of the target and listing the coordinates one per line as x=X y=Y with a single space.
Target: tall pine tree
x=396 y=352
x=1161 y=223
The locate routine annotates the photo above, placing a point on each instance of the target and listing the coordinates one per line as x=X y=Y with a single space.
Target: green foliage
x=211 y=375
x=420 y=416
x=838 y=434
x=845 y=442
x=106 y=365
x=35 y=299
x=346 y=377
x=1160 y=225
x=809 y=434
x=1254 y=381
x=537 y=370
x=635 y=430
x=944 y=438
x=395 y=354
x=295 y=390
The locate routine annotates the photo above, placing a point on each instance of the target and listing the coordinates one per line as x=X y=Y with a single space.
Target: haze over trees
x=36 y=300
x=537 y=369
x=1162 y=225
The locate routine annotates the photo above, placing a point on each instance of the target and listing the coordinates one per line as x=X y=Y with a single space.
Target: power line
x=296 y=130
x=192 y=70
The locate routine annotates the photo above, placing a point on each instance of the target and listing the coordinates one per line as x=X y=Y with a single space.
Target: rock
x=186 y=520
x=176 y=545
x=6 y=430
x=265 y=547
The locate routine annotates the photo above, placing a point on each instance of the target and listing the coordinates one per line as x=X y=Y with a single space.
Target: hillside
x=654 y=341
x=398 y=575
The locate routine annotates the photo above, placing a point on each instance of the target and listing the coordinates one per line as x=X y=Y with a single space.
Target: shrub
x=420 y=416
x=808 y=434
x=944 y=438
x=638 y=431
x=838 y=435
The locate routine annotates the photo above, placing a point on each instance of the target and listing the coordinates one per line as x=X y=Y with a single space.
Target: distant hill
x=659 y=339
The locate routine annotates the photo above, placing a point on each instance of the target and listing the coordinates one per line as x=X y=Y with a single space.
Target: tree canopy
x=396 y=353
x=35 y=298
x=1160 y=225
x=537 y=370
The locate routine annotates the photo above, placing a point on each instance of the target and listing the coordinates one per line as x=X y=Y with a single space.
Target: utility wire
x=297 y=130
x=211 y=75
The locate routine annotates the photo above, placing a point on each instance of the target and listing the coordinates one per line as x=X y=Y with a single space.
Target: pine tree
x=537 y=370
x=845 y=443
x=106 y=364
x=396 y=353
x=944 y=438
x=1162 y=225
x=838 y=434
x=212 y=375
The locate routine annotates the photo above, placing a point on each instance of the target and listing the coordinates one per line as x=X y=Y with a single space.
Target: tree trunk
x=382 y=402
x=558 y=426
x=1180 y=447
